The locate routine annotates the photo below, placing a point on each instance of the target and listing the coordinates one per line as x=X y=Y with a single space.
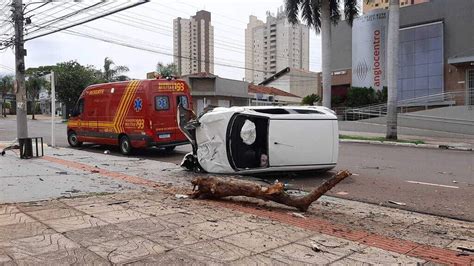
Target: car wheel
x=125 y=145
x=72 y=139
x=170 y=148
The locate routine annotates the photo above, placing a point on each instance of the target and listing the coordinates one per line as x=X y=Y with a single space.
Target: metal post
x=53 y=108
x=20 y=52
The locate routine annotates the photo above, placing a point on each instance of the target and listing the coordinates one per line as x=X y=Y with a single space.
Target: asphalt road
x=439 y=182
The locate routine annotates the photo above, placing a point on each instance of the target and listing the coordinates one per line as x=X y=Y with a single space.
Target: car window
x=275 y=111
x=182 y=99
x=305 y=111
x=80 y=107
x=162 y=103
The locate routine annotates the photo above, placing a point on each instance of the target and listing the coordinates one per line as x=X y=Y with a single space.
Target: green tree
x=6 y=86
x=34 y=83
x=113 y=72
x=319 y=14
x=71 y=79
x=168 y=70
x=357 y=97
x=310 y=99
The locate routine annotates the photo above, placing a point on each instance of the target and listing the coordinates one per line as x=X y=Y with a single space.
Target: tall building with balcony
x=274 y=45
x=193 y=44
x=376 y=4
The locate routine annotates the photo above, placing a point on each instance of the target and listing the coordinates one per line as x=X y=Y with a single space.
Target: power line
x=232 y=47
x=45 y=24
x=35 y=8
x=153 y=50
x=89 y=20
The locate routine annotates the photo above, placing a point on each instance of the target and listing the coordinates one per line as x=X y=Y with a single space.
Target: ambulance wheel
x=72 y=139
x=170 y=148
x=125 y=145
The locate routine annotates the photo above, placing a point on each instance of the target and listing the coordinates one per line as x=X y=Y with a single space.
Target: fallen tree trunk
x=214 y=187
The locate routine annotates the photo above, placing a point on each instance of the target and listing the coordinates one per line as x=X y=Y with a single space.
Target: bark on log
x=214 y=187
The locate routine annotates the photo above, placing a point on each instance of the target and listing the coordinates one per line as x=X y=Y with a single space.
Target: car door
x=300 y=142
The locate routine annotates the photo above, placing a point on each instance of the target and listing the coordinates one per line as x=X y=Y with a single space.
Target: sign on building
x=369 y=50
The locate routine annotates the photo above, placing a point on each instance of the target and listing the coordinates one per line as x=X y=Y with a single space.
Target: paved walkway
x=146 y=223
x=156 y=227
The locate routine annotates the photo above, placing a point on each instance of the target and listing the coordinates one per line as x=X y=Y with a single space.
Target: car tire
x=125 y=145
x=170 y=148
x=72 y=139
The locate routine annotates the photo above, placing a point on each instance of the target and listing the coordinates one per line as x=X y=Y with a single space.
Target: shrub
x=310 y=99
x=361 y=96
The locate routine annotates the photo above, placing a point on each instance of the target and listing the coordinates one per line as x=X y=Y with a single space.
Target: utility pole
x=20 y=52
x=53 y=108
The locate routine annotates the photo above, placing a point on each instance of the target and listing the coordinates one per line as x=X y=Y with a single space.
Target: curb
x=411 y=145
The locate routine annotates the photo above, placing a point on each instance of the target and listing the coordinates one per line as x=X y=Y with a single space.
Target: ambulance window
x=80 y=107
x=182 y=99
x=162 y=103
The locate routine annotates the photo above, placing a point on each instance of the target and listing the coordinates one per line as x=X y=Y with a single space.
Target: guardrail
x=417 y=103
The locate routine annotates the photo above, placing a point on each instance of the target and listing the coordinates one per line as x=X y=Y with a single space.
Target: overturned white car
x=251 y=139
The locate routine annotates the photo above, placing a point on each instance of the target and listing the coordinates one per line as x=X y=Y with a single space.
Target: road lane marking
x=430 y=184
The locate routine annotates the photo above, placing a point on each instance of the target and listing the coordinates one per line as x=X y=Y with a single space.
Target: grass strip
x=381 y=139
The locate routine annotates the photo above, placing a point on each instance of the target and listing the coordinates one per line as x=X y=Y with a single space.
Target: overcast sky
x=229 y=19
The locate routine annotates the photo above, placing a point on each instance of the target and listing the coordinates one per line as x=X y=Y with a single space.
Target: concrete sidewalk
x=430 y=137
x=146 y=223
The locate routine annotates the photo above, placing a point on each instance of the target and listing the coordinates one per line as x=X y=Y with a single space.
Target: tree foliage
x=360 y=96
x=34 y=83
x=310 y=99
x=6 y=86
x=112 y=72
x=168 y=70
x=311 y=11
x=71 y=79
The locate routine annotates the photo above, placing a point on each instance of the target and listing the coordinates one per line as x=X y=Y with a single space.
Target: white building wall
x=258 y=49
x=250 y=52
x=275 y=45
x=191 y=35
x=211 y=49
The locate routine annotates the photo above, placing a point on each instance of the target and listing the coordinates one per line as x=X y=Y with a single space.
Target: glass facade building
x=421 y=63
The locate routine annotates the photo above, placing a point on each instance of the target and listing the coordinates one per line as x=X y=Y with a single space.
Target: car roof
x=282 y=112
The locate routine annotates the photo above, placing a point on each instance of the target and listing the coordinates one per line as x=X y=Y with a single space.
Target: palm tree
x=319 y=14
x=392 y=67
x=168 y=70
x=112 y=73
x=6 y=86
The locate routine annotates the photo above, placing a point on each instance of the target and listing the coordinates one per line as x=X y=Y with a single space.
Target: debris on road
x=106 y=152
x=215 y=188
x=61 y=173
x=299 y=215
x=119 y=202
x=315 y=247
x=465 y=249
x=397 y=203
x=181 y=196
x=454 y=181
x=342 y=193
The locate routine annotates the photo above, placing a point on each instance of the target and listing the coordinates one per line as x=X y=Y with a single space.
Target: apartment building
x=376 y=4
x=274 y=45
x=193 y=43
